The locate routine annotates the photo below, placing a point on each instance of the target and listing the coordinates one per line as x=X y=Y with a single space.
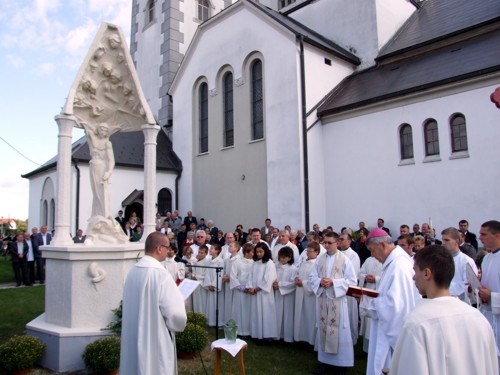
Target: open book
x=356 y=291
x=187 y=287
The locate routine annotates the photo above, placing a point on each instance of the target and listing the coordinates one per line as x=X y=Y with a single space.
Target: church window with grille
x=431 y=138
x=203 y=117
x=406 y=141
x=203 y=10
x=257 y=101
x=458 y=133
x=228 y=110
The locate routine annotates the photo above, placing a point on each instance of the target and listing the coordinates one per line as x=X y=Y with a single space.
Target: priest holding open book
x=397 y=297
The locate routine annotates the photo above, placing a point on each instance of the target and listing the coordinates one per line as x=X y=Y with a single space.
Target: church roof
x=440 y=19
x=449 y=58
x=310 y=36
x=128 y=150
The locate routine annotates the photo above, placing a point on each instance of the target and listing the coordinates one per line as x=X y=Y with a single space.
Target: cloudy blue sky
x=42 y=44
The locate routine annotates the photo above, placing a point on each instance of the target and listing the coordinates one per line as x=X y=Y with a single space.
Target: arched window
x=406 y=141
x=203 y=9
x=45 y=213
x=164 y=201
x=150 y=11
x=257 y=100
x=228 y=110
x=52 y=215
x=431 y=137
x=458 y=133
x=203 y=117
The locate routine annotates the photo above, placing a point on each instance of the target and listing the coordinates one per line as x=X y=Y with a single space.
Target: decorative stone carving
x=240 y=81
x=106 y=98
x=213 y=92
x=96 y=272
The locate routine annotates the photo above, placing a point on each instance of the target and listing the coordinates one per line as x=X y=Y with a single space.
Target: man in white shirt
x=442 y=335
x=398 y=296
x=284 y=240
x=459 y=284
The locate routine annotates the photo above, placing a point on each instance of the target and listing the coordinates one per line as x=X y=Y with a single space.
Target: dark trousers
x=20 y=268
x=31 y=271
x=40 y=269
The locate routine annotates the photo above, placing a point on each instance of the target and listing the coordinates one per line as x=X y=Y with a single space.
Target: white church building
x=326 y=111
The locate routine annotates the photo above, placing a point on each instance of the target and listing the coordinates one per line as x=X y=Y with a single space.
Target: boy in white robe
x=152 y=306
x=200 y=294
x=489 y=292
x=240 y=274
x=330 y=278
x=213 y=282
x=229 y=261
x=305 y=299
x=284 y=293
x=398 y=296
x=176 y=269
x=442 y=335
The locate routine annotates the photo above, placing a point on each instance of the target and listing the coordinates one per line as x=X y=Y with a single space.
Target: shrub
x=197 y=319
x=21 y=352
x=192 y=340
x=103 y=355
x=116 y=325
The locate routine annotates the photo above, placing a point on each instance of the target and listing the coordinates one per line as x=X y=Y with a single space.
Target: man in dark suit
x=463 y=226
x=380 y=224
x=79 y=238
x=190 y=219
x=213 y=231
x=121 y=220
x=267 y=228
x=44 y=239
x=18 y=252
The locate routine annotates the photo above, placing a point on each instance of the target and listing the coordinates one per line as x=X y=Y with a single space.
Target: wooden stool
x=220 y=345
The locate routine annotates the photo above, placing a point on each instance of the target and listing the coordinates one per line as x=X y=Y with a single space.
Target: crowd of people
x=295 y=286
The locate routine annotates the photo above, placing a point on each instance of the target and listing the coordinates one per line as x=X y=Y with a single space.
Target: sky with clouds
x=42 y=44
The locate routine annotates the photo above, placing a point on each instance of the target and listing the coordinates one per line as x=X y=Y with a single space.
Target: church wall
x=353 y=24
x=35 y=195
x=364 y=180
x=147 y=56
x=274 y=190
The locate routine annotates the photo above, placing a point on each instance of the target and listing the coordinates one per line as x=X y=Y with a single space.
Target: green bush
x=103 y=355
x=116 y=325
x=192 y=340
x=197 y=319
x=21 y=352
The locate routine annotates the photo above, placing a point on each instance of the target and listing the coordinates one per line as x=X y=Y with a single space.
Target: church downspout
x=77 y=198
x=304 y=131
x=179 y=173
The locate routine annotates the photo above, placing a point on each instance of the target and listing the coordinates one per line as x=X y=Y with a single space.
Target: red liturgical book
x=356 y=291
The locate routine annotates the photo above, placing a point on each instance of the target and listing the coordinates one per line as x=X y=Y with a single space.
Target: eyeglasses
x=329 y=243
x=166 y=247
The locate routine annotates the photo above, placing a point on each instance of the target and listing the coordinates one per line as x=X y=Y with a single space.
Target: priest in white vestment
x=330 y=278
x=442 y=335
x=398 y=296
x=489 y=293
x=153 y=309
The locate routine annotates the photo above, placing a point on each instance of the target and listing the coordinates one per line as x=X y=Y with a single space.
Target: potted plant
x=193 y=339
x=198 y=319
x=103 y=355
x=21 y=352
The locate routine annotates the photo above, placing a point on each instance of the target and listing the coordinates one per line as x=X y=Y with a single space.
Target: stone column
x=150 y=134
x=63 y=192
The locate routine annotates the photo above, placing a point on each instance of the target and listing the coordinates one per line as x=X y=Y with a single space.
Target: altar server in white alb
x=305 y=299
x=240 y=274
x=213 y=283
x=442 y=335
x=330 y=278
x=489 y=293
x=284 y=293
x=398 y=296
x=153 y=309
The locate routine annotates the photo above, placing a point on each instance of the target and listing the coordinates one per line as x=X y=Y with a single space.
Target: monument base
x=83 y=284
x=64 y=346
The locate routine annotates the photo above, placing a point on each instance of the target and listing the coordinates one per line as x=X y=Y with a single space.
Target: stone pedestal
x=83 y=285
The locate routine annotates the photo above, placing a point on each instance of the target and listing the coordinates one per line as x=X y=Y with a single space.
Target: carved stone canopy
x=106 y=88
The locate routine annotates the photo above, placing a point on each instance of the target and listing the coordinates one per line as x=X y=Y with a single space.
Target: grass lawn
x=6 y=272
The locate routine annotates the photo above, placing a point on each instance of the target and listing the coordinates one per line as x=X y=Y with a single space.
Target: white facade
x=253 y=179
x=368 y=179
